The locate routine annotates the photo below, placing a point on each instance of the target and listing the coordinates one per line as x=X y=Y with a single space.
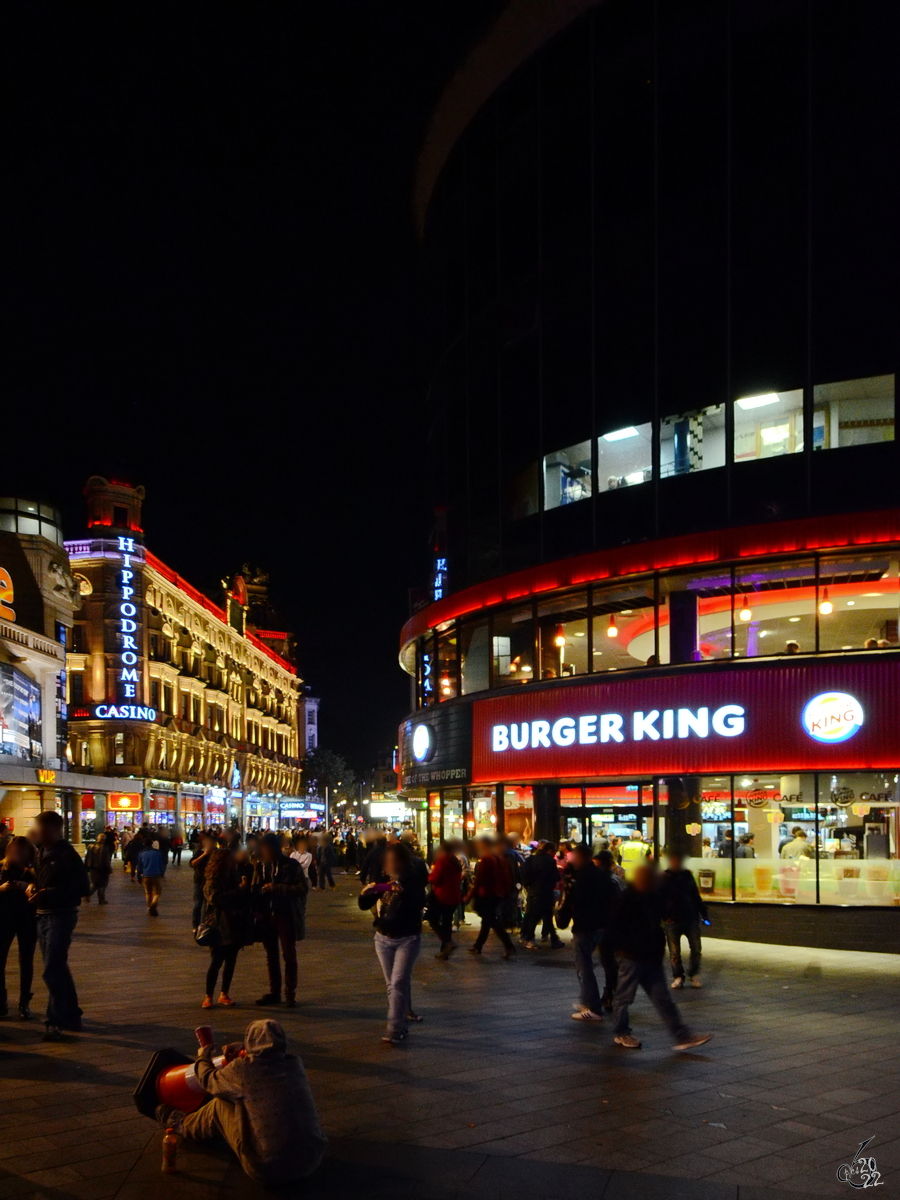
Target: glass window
x=858 y=602
x=453 y=814
x=692 y=441
x=624 y=457
x=768 y=425
x=447 y=664
x=563 y=636
x=767 y=808
x=426 y=671
x=858 y=833
x=513 y=646
x=522 y=493
x=698 y=825
x=474 y=645
x=518 y=812
x=624 y=628
x=695 y=616
x=775 y=609
x=567 y=475
x=571 y=814
x=481 y=807
x=29 y=525
x=853 y=413
x=434 y=818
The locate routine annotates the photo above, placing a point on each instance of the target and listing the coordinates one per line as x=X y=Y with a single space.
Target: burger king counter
x=777 y=780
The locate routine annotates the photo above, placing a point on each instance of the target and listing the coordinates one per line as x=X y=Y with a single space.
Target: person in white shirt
x=301 y=854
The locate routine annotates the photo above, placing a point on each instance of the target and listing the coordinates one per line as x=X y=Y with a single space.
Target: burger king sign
x=832 y=717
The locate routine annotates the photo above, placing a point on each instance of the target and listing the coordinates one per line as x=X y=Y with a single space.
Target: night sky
x=210 y=287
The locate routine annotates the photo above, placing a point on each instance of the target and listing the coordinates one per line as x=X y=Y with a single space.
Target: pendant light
x=612 y=630
x=825 y=606
x=745 y=614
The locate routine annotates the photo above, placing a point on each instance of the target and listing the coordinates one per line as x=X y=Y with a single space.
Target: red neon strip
x=275 y=634
x=721 y=545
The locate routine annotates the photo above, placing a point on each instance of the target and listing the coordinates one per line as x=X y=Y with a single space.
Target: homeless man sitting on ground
x=261 y=1104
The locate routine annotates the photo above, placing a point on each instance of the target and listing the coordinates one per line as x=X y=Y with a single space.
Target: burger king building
x=665 y=585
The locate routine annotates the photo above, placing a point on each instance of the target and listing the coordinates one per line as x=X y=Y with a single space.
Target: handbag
x=207 y=932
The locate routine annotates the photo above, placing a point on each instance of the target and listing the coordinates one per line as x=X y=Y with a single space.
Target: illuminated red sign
x=710 y=720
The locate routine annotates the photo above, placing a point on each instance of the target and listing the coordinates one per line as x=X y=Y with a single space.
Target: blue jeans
x=55 y=931
x=649 y=975
x=674 y=934
x=397 y=957
x=585 y=943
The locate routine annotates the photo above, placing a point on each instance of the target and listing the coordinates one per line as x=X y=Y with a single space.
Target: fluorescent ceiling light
x=618 y=435
x=774 y=434
x=635 y=477
x=757 y=401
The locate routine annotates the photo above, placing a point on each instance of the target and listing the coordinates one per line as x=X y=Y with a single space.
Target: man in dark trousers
x=62 y=881
x=683 y=910
x=588 y=903
x=637 y=937
x=540 y=878
x=279 y=898
x=370 y=869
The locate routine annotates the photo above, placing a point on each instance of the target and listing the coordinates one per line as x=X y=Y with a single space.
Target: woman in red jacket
x=492 y=886
x=445 y=878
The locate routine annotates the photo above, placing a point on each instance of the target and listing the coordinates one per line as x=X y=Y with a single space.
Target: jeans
x=489 y=911
x=539 y=908
x=674 y=934
x=397 y=957
x=55 y=931
x=585 y=943
x=25 y=933
x=281 y=932
x=222 y=958
x=649 y=975
x=325 y=873
x=440 y=918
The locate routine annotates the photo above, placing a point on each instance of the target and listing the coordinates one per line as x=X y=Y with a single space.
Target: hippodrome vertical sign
x=129 y=626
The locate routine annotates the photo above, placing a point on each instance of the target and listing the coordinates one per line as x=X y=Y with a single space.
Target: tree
x=323 y=768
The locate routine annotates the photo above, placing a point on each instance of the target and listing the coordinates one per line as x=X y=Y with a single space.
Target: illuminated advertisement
x=129 y=678
x=20 y=715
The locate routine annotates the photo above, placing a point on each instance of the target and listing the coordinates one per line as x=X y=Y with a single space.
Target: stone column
x=75 y=827
x=145 y=802
x=179 y=821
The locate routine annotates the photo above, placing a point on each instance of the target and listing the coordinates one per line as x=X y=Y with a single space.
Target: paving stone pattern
x=499 y=1093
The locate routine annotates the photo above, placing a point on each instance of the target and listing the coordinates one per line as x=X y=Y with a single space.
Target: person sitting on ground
x=261 y=1103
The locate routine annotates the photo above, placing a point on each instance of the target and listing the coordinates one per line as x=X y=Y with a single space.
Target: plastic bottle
x=170 y=1152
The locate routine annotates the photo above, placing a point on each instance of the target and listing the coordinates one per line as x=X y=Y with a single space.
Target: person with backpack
x=61 y=882
x=490 y=892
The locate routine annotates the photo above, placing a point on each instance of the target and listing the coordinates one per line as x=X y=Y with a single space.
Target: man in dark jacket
x=62 y=881
x=588 y=902
x=540 y=878
x=279 y=897
x=370 y=871
x=683 y=911
x=636 y=934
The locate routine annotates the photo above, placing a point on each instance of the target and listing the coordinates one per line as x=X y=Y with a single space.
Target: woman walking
x=446 y=895
x=398 y=934
x=227 y=899
x=491 y=889
x=18 y=919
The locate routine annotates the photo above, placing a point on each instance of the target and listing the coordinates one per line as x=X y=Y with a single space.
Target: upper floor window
x=625 y=457
x=567 y=475
x=692 y=441
x=768 y=425
x=853 y=413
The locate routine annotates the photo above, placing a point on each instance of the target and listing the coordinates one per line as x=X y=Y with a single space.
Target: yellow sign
x=45 y=776
x=7 y=595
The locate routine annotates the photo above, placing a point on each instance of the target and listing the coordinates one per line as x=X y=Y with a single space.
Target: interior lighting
x=745 y=614
x=619 y=435
x=793 y=619
x=579 y=634
x=825 y=606
x=747 y=402
x=560 y=639
x=851 y=604
x=612 y=630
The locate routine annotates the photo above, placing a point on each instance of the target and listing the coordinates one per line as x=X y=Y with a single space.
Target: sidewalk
x=497 y=1093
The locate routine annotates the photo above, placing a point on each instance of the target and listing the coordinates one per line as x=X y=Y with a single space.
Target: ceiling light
x=872 y=593
x=774 y=434
x=793 y=619
x=579 y=635
x=747 y=402
x=612 y=630
x=745 y=614
x=619 y=435
x=851 y=604
x=825 y=607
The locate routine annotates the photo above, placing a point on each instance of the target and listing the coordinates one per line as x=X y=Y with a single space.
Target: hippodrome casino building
x=665 y=591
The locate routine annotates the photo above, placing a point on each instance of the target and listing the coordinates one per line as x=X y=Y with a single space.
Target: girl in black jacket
x=398 y=934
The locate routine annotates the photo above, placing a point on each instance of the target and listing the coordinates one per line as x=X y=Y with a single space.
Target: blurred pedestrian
x=152 y=867
x=683 y=910
x=228 y=912
x=17 y=919
x=540 y=878
x=98 y=861
x=445 y=878
x=279 y=898
x=325 y=859
x=587 y=903
x=490 y=891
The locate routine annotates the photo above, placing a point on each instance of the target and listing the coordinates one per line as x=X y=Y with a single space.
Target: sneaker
x=52 y=1034
x=395 y=1039
x=699 y=1039
x=677 y=983
x=225 y=1001
x=207 y=1002
x=695 y=982
x=414 y=1017
x=626 y=1040
x=269 y=998
x=586 y=1014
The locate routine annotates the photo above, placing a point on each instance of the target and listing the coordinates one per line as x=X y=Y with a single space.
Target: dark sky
x=210 y=287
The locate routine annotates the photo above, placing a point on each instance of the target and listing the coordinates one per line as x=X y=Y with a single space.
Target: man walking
x=152 y=868
x=62 y=881
x=588 y=902
x=540 y=878
x=638 y=941
x=683 y=911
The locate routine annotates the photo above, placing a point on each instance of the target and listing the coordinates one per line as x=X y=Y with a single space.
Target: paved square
x=499 y=1092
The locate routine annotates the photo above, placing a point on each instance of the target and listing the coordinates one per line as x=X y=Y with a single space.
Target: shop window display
x=518 y=812
x=567 y=475
x=624 y=457
x=775 y=609
x=858 y=838
x=692 y=441
x=768 y=425
x=858 y=602
x=481 y=809
x=856 y=412
x=453 y=826
x=624 y=625
x=564 y=636
x=512 y=640
x=766 y=809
